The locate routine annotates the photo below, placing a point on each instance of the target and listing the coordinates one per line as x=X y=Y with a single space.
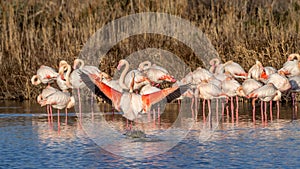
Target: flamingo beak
x=62 y=77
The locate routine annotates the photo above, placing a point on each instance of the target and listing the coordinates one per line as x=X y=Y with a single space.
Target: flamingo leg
x=203 y=110
x=237 y=109
x=265 y=112
x=209 y=114
x=48 y=113
x=193 y=100
x=217 y=110
x=223 y=110
x=253 y=109
x=278 y=109
x=79 y=104
x=66 y=119
x=232 y=111
x=58 y=121
x=51 y=114
x=271 y=112
x=158 y=114
x=261 y=111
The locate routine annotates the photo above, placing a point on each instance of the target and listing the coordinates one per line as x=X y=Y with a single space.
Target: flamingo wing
x=169 y=93
x=94 y=83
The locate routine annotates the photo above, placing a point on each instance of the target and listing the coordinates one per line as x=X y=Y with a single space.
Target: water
x=27 y=140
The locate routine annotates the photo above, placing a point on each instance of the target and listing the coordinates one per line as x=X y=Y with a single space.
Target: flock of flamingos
x=137 y=90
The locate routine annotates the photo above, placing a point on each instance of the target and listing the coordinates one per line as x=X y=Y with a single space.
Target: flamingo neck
x=68 y=83
x=123 y=74
x=79 y=62
x=145 y=65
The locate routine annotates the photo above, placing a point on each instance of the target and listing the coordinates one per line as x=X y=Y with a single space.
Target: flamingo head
x=277 y=96
x=293 y=56
x=240 y=92
x=39 y=98
x=121 y=63
x=78 y=62
x=35 y=80
x=71 y=102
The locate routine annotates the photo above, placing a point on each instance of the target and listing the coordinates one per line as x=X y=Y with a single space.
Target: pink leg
x=271 y=112
x=265 y=112
x=253 y=110
x=223 y=110
x=261 y=111
x=66 y=120
x=79 y=104
x=158 y=114
x=217 y=110
x=232 y=109
x=209 y=113
x=237 y=109
x=278 y=109
x=48 y=113
x=58 y=121
x=203 y=111
x=51 y=114
x=193 y=100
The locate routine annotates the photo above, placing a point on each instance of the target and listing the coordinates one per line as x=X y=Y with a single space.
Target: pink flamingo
x=230 y=87
x=256 y=70
x=265 y=93
x=156 y=74
x=235 y=69
x=140 y=79
x=208 y=91
x=45 y=74
x=48 y=91
x=130 y=103
x=59 y=100
x=295 y=86
x=216 y=67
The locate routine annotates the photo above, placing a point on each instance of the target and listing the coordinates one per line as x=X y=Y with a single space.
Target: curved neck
x=145 y=65
x=68 y=76
x=123 y=74
x=79 y=62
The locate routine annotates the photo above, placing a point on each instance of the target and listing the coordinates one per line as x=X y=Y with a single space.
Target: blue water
x=27 y=140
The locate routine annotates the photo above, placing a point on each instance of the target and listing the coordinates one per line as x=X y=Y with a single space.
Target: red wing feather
x=155 y=97
x=112 y=94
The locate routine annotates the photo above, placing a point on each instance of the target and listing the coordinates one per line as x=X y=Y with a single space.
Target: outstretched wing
x=169 y=93
x=94 y=83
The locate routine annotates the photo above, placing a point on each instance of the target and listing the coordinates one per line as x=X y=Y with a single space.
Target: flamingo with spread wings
x=129 y=102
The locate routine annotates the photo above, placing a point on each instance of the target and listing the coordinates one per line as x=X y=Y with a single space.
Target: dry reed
x=36 y=32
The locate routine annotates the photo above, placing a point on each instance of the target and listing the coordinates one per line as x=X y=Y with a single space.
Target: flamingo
x=290 y=68
x=208 y=91
x=44 y=95
x=256 y=70
x=280 y=82
x=45 y=74
x=216 y=67
x=230 y=87
x=129 y=102
x=295 y=86
x=156 y=74
x=73 y=79
x=265 y=93
x=235 y=69
x=293 y=56
x=248 y=86
x=140 y=78
x=59 y=100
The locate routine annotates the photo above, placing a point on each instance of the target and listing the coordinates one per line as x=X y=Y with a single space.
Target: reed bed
x=36 y=32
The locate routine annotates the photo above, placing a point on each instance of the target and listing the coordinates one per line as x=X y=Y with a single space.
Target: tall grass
x=36 y=32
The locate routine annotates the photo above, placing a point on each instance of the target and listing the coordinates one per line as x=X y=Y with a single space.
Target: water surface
x=28 y=140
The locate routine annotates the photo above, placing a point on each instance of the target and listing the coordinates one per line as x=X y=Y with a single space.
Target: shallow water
x=28 y=140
